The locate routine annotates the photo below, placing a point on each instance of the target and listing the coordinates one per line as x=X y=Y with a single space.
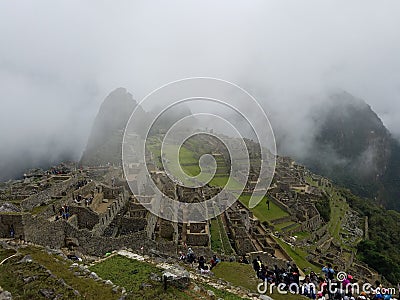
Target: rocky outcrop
x=104 y=143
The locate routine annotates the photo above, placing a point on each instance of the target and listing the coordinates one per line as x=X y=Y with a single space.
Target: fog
x=59 y=60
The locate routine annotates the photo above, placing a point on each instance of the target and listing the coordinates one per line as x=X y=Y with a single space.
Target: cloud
x=58 y=62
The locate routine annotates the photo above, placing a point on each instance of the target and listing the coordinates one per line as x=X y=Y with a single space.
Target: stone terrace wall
x=197 y=239
x=85 y=190
x=130 y=225
x=43 y=232
x=14 y=219
x=280 y=204
x=108 y=216
x=45 y=196
x=87 y=218
x=53 y=234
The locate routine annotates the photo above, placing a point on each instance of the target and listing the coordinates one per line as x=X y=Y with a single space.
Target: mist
x=58 y=61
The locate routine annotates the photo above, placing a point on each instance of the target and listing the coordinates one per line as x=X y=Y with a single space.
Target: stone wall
x=11 y=219
x=43 y=232
x=197 y=239
x=53 y=234
x=280 y=204
x=166 y=229
x=46 y=196
x=85 y=190
x=268 y=260
x=131 y=225
x=87 y=218
x=108 y=216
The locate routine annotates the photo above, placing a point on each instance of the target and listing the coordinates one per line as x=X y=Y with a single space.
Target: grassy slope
x=261 y=210
x=13 y=273
x=190 y=165
x=237 y=274
x=219 y=239
x=298 y=255
x=243 y=275
x=131 y=273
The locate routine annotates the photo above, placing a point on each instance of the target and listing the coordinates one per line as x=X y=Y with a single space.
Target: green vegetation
x=243 y=275
x=289 y=224
x=261 y=210
x=237 y=274
x=219 y=239
x=131 y=274
x=189 y=162
x=302 y=235
x=324 y=208
x=338 y=207
x=381 y=252
x=38 y=209
x=4 y=253
x=12 y=275
x=125 y=272
x=298 y=255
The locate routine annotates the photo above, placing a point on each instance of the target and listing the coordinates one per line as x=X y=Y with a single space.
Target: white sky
x=59 y=59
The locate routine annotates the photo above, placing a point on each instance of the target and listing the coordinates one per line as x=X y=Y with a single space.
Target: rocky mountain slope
x=353 y=147
x=104 y=143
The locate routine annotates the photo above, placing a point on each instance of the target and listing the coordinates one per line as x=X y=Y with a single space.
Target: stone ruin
x=113 y=218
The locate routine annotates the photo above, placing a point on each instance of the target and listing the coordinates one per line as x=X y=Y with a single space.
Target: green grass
x=219 y=239
x=281 y=226
x=189 y=161
x=298 y=255
x=237 y=274
x=302 y=235
x=310 y=181
x=131 y=273
x=216 y=243
x=4 y=253
x=125 y=272
x=13 y=273
x=221 y=181
x=338 y=209
x=39 y=209
x=261 y=210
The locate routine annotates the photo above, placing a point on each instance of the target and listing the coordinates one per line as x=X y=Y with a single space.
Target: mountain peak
x=104 y=143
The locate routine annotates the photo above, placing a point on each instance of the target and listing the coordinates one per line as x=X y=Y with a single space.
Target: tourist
x=190 y=256
x=12 y=231
x=329 y=271
x=202 y=263
x=244 y=260
x=257 y=264
x=182 y=256
x=320 y=296
x=296 y=274
x=314 y=278
x=308 y=288
x=214 y=261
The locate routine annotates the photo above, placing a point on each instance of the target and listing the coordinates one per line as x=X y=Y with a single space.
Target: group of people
x=324 y=286
x=63 y=212
x=88 y=200
x=203 y=267
x=289 y=275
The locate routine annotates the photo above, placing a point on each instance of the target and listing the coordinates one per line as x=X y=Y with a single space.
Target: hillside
x=104 y=143
x=353 y=147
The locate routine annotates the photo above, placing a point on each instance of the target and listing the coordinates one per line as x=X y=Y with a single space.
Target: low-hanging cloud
x=58 y=61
